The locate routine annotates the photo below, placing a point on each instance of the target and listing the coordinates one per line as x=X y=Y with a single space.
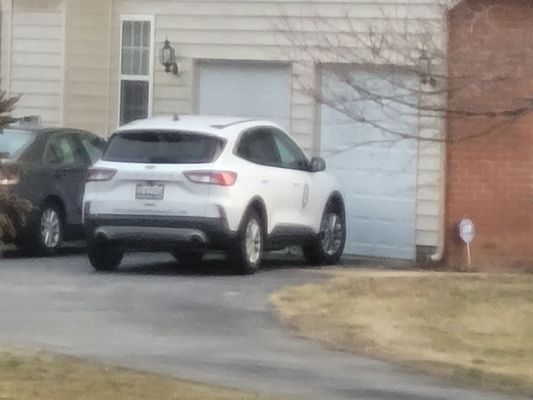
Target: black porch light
x=167 y=58
x=427 y=73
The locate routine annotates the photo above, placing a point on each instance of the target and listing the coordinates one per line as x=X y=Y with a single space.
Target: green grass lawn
x=25 y=376
x=473 y=328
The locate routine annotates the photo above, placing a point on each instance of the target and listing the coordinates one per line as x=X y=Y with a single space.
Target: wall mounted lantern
x=426 y=76
x=167 y=58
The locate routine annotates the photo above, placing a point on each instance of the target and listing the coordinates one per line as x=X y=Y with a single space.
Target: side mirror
x=318 y=164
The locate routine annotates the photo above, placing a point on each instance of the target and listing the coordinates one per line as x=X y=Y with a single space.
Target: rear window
x=13 y=141
x=156 y=147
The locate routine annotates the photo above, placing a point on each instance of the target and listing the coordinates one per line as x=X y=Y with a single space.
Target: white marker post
x=467 y=232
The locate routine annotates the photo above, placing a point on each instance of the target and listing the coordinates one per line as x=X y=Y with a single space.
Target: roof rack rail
x=224 y=126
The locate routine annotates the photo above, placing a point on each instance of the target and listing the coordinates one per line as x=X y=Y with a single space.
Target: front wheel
x=246 y=253
x=327 y=247
x=103 y=256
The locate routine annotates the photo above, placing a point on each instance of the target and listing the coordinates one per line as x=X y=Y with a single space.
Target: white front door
x=245 y=89
x=361 y=139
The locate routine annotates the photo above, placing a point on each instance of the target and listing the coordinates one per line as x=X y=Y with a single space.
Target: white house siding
x=212 y=29
x=87 y=58
x=34 y=66
x=251 y=30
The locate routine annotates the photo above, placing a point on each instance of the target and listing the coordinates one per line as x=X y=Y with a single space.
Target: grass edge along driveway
x=44 y=376
x=471 y=328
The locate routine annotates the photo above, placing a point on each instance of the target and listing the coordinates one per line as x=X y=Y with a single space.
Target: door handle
x=58 y=175
x=264 y=179
x=297 y=184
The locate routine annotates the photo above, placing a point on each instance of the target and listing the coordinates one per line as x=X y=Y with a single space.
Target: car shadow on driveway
x=70 y=250
x=209 y=267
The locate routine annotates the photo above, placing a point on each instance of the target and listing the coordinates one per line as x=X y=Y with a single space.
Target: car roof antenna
x=175 y=117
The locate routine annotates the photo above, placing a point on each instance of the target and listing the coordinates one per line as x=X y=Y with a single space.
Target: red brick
x=490 y=178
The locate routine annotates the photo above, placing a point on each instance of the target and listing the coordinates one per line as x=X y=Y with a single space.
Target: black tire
x=104 y=257
x=45 y=235
x=245 y=255
x=326 y=248
x=189 y=259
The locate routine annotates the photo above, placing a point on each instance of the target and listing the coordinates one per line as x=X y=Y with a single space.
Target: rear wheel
x=327 y=247
x=104 y=257
x=247 y=252
x=45 y=237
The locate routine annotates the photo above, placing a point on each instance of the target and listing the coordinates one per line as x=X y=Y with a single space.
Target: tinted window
x=13 y=141
x=64 y=150
x=290 y=154
x=93 y=146
x=134 y=101
x=259 y=147
x=163 y=148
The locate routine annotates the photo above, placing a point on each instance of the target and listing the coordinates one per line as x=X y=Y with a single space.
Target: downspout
x=109 y=57
x=438 y=255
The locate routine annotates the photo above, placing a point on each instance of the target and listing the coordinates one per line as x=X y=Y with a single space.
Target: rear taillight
x=100 y=174
x=220 y=178
x=9 y=178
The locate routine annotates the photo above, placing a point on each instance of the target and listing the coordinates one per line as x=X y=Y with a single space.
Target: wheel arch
x=336 y=198
x=258 y=204
x=56 y=201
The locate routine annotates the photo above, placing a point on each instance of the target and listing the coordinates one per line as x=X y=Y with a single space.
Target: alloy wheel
x=253 y=241
x=332 y=233
x=50 y=228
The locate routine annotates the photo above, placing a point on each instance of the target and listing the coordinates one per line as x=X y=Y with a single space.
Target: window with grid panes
x=135 y=70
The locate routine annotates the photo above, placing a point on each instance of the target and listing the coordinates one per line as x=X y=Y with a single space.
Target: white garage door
x=361 y=141
x=251 y=90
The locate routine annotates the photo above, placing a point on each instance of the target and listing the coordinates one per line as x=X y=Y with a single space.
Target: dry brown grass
x=474 y=328
x=25 y=376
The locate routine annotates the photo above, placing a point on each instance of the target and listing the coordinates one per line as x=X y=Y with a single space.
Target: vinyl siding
x=253 y=30
x=214 y=29
x=87 y=64
x=35 y=67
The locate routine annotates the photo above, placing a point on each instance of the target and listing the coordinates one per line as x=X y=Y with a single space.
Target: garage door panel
x=373 y=160
x=379 y=240
x=250 y=90
x=378 y=169
x=380 y=209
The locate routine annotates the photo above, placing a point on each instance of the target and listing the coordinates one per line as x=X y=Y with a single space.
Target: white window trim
x=150 y=80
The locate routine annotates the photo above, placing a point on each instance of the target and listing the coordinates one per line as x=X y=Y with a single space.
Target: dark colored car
x=48 y=167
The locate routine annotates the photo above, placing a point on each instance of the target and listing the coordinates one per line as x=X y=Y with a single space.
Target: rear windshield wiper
x=162 y=160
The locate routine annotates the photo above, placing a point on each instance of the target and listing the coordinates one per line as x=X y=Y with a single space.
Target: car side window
x=64 y=151
x=258 y=146
x=290 y=154
x=94 y=146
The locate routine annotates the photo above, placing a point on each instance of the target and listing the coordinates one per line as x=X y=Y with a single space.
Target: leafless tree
x=13 y=211
x=401 y=57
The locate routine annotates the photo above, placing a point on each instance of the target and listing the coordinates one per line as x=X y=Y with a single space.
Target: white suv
x=194 y=183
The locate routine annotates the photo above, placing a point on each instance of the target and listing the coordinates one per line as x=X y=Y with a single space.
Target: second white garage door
x=251 y=90
x=361 y=140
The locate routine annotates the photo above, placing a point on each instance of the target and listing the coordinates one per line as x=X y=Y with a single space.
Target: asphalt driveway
x=212 y=327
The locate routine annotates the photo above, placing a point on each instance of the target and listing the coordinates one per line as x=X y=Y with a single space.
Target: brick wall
x=490 y=176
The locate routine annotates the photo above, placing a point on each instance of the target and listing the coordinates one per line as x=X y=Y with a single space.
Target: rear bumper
x=159 y=232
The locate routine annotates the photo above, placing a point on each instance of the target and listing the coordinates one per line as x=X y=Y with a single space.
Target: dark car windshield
x=13 y=141
x=163 y=147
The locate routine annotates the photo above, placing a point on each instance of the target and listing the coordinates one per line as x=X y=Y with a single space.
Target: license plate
x=149 y=192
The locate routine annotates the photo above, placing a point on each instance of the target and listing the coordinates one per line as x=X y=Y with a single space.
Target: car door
x=66 y=162
x=296 y=168
x=264 y=173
